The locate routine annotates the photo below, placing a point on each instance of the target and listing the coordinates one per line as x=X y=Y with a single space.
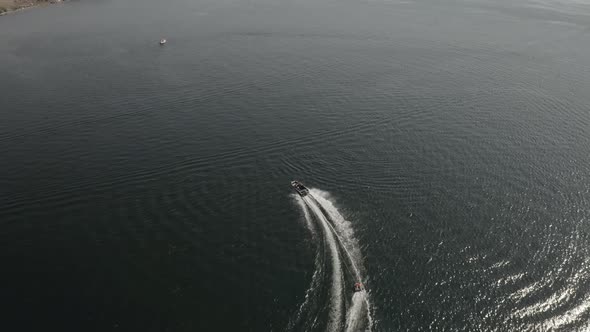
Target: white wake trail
x=354 y=316
x=315 y=279
x=334 y=323
x=359 y=309
x=347 y=240
x=306 y=215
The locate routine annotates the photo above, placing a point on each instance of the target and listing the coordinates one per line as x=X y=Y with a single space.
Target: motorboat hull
x=300 y=188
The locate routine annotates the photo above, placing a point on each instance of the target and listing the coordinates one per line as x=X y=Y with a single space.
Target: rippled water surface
x=146 y=188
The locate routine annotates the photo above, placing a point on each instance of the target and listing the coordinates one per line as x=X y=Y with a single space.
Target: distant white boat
x=162 y=41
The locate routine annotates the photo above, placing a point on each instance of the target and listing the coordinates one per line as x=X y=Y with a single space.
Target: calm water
x=146 y=188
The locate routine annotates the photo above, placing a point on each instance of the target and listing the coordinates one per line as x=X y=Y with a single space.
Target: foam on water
x=358 y=307
x=343 y=228
x=316 y=277
x=336 y=300
x=353 y=315
x=307 y=216
x=345 y=233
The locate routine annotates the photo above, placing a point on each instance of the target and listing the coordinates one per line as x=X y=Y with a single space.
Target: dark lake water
x=146 y=188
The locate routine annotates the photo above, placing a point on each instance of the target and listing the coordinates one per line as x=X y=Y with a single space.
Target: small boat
x=299 y=188
x=162 y=41
x=358 y=287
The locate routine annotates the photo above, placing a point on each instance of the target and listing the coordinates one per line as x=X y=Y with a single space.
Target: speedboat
x=162 y=41
x=299 y=188
x=358 y=287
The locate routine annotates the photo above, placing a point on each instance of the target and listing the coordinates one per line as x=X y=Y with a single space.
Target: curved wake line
x=315 y=279
x=356 y=310
x=359 y=298
x=341 y=244
x=306 y=214
x=336 y=295
x=357 y=316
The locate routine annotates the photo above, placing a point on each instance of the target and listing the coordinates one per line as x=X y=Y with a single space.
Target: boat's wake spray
x=334 y=301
